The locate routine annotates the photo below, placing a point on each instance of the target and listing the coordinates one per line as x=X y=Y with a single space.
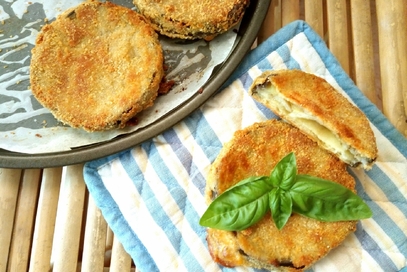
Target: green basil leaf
x=284 y=173
x=280 y=206
x=283 y=192
x=248 y=180
x=239 y=207
x=326 y=200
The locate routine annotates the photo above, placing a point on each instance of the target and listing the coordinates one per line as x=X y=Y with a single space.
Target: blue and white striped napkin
x=152 y=195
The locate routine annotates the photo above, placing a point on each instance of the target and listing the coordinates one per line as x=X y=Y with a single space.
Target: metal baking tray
x=247 y=34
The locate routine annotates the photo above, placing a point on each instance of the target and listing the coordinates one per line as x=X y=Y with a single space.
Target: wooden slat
x=272 y=22
x=68 y=226
x=95 y=239
x=338 y=32
x=392 y=18
x=121 y=261
x=314 y=15
x=108 y=247
x=109 y=239
x=9 y=186
x=45 y=220
x=277 y=15
x=290 y=11
x=363 y=48
x=24 y=221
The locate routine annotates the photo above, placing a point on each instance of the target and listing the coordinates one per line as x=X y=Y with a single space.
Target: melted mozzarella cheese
x=307 y=122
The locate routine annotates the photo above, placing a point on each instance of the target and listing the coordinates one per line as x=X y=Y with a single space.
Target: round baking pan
x=247 y=33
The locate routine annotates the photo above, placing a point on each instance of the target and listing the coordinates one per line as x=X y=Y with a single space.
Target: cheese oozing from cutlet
x=310 y=124
x=316 y=120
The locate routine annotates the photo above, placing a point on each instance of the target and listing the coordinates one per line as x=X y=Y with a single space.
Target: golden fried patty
x=313 y=105
x=96 y=66
x=191 y=19
x=254 y=151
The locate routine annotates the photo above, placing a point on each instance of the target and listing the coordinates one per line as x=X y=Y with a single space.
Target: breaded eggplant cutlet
x=254 y=151
x=191 y=19
x=96 y=66
x=310 y=103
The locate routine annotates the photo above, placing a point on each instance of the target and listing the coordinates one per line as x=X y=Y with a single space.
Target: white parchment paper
x=27 y=127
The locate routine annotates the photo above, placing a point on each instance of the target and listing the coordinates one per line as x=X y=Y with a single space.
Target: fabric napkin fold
x=152 y=195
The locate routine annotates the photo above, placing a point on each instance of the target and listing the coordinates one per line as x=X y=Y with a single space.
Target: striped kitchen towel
x=152 y=194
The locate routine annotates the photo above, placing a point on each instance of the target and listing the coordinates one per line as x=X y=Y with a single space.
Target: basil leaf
x=239 y=207
x=284 y=173
x=326 y=200
x=244 y=181
x=283 y=192
x=280 y=206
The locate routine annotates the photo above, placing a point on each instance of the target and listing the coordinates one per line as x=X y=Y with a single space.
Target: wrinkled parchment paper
x=27 y=127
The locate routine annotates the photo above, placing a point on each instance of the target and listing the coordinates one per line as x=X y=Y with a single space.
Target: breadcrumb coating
x=192 y=19
x=96 y=66
x=310 y=103
x=254 y=151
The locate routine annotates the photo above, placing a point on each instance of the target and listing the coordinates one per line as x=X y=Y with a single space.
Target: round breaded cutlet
x=313 y=105
x=254 y=151
x=191 y=19
x=96 y=66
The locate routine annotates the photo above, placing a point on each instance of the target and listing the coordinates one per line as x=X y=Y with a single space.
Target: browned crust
x=96 y=66
x=319 y=98
x=191 y=19
x=254 y=151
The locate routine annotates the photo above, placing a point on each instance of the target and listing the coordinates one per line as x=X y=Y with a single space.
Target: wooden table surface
x=49 y=221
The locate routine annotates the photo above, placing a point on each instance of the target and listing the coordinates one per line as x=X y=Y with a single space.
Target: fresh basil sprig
x=282 y=193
